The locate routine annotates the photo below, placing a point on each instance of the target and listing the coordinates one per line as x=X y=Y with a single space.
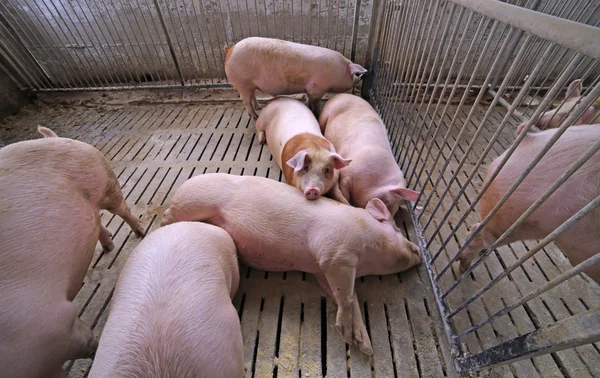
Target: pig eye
x=305 y=168
x=327 y=170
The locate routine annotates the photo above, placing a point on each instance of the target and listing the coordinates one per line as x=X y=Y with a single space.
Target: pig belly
x=259 y=255
x=279 y=88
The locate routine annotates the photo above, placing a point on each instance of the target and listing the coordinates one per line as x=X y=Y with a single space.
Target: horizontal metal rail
x=574 y=35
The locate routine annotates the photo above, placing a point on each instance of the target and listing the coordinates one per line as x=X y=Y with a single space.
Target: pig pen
x=451 y=79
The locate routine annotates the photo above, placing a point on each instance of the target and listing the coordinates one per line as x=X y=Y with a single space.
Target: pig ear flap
x=357 y=70
x=338 y=161
x=378 y=210
x=404 y=193
x=297 y=162
x=575 y=89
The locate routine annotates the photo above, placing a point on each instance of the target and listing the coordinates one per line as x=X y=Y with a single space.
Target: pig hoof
x=108 y=247
x=93 y=347
x=365 y=347
x=463 y=266
x=140 y=232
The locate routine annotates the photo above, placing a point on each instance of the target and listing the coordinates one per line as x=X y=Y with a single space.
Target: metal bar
x=574 y=331
x=463 y=129
x=169 y=43
x=119 y=54
x=16 y=65
x=511 y=72
x=579 y=268
x=573 y=35
x=448 y=326
x=135 y=87
x=11 y=77
x=578 y=110
x=355 y=30
x=19 y=40
x=373 y=41
x=408 y=98
x=445 y=87
x=548 y=239
x=437 y=82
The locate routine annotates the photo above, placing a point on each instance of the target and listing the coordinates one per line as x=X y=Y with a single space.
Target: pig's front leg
x=361 y=337
x=341 y=281
x=337 y=195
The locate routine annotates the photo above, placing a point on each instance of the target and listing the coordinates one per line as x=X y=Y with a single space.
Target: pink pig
x=552 y=119
x=581 y=240
x=171 y=315
x=294 y=138
x=356 y=130
x=276 y=229
x=279 y=67
x=52 y=191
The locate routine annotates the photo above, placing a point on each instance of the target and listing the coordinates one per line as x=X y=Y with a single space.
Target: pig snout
x=312 y=193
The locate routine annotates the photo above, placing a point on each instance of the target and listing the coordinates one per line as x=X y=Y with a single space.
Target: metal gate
x=452 y=79
x=49 y=45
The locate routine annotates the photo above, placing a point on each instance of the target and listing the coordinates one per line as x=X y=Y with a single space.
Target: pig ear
x=378 y=210
x=338 y=161
x=574 y=90
x=297 y=162
x=357 y=69
x=404 y=193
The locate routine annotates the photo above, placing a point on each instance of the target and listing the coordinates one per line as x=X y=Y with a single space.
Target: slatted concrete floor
x=572 y=297
x=287 y=322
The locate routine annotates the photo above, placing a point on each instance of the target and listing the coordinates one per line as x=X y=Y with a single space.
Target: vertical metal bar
x=202 y=39
x=548 y=239
x=169 y=43
x=50 y=39
x=579 y=268
x=90 y=66
x=143 y=34
x=57 y=77
x=452 y=93
x=463 y=129
x=112 y=68
x=89 y=79
x=397 y=69
x=20 y=41
x=392 y=53
x=212 y=48
x=144 y=64
x=373 y=41
x=355 y=29
x=114 y=28
x=435 y=87
x=11 y=77
x=187 y=45
x=18 y=69
x=413 y=74
x=578 y=110
x=123 y=67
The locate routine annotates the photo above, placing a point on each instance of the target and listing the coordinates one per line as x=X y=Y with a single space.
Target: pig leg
x=106 y=239
x=341 y=281
x=82 y=343
x=116 y=204
x=345 y=186
x=255 y=103
x=247 y=99
x=314 y=98
x=361 y=337
x=337 y=195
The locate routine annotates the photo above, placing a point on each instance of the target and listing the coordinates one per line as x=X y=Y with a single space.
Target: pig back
x=284 y=118
x=172 y=314
x=582 y=187
x=280 y=67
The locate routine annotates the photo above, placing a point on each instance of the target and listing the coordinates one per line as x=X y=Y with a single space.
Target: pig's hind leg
x=115 y=203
